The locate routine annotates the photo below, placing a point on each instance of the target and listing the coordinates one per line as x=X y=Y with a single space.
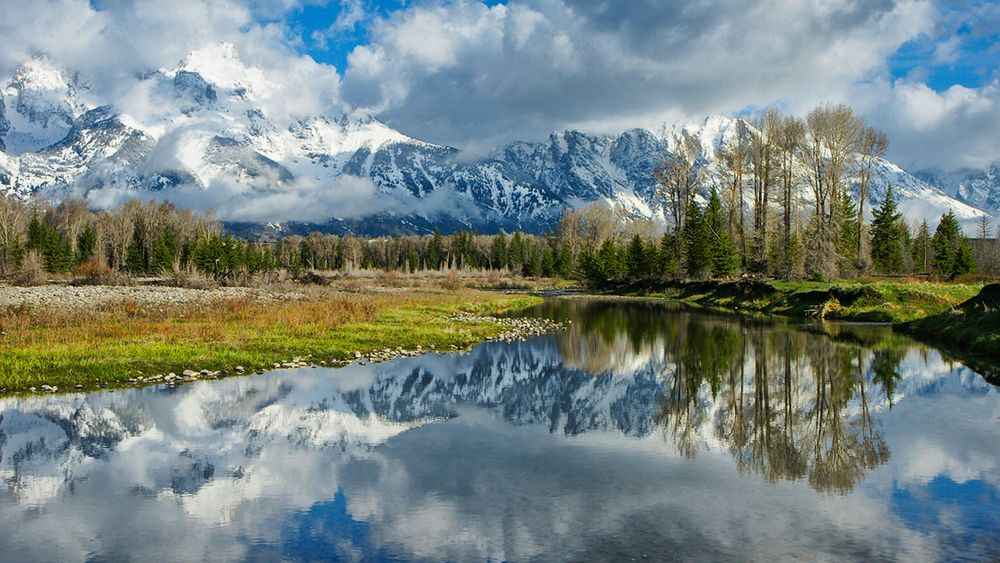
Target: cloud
x=113 y=41
x=476 y=76
x=956 y=128
x=461 y=73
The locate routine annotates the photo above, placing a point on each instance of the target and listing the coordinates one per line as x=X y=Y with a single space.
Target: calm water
x=644 y=431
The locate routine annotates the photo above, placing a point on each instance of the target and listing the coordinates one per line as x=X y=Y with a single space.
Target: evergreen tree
x=498 y=252
x=952 y=250
x=847 y=235
x=135 y=258
x=532 y=267
x=922 y=249
x=697 y=241
x=722 y=256
x=54 y=249
x=412 y=258
x=548 y=262
x=635 y=257
x=86 y=245
x=669 y=265
x=435 y=251
x=517 y=252
x=887 y=237
x=564 y=261
x=607 y=265
x=165 y=251
x=965 y=262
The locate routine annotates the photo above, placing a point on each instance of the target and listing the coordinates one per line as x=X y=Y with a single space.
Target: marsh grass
x=863 y=300
x=110 y=344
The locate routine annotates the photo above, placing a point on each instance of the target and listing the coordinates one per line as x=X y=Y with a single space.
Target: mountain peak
x=220 y=64
x=42 y=102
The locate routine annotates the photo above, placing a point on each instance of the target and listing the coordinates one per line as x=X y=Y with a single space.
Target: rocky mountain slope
x=209 y=134
x=978 y=188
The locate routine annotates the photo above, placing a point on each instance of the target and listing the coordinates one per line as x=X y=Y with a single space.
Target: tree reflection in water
x=786 y=403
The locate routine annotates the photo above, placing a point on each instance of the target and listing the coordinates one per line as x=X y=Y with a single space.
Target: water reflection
x=643 y=429
x=787 y=403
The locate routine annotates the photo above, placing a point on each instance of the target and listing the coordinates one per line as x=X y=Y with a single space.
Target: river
x=644 y=430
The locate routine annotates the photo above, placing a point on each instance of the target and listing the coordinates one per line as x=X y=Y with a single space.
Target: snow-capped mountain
x=212 y=133
x=978 y=188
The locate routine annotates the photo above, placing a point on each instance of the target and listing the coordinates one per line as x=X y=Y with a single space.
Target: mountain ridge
x=206 y=134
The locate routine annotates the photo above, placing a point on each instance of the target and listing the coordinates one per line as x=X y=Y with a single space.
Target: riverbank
x=962 y=319
x=970 y=330
x=877 y=301
x=66 y=338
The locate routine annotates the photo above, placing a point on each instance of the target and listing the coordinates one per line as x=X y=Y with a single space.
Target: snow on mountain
x=201 y=134
x=42 y=104
x=978 y=188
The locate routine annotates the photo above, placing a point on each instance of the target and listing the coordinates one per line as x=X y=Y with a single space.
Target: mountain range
x=210 y=134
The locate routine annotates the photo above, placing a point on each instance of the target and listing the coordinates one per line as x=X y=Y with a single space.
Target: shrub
x=32 y=270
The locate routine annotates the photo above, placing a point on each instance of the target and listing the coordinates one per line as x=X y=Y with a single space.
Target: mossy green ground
x=971 y=330
x=873 y=301
x=95 y=348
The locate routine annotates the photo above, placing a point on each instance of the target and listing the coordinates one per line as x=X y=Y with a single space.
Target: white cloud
x=473 y=76
x=110 y=45
x=956 y=128
x=467 y=74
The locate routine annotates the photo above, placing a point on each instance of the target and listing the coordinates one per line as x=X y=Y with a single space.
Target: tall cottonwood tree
x=764 y=145
x=733 y=159
x=790 y=144
x=873 y=146
x=677 y=177
x=833 y=136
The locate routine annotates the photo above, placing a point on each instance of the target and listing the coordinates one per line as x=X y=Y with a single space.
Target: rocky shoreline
x=517 y=329
x=77 y=298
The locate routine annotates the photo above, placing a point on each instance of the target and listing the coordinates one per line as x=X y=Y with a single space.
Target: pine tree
x=564 y=261
x=435 y=251
x=847 y=243
x=607 y=264
x=952 y=250
x=55 y=250
x=887 y=237
x=165 y=251
x=498 y=252
x=86 y=245
x=922 y=249
x=517 y=252
x=669 y=265
x=697 y=241
x=635 y=257
x=722 y=255
x=965 y=262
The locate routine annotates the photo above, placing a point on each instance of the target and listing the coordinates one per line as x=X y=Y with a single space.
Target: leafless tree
x=874 y=144
x=14 y=218
x=733 y=160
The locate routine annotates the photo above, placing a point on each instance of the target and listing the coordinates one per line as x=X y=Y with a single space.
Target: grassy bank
x=970 y=330
x=962 y=319
x=108 y=345
x=875 y=301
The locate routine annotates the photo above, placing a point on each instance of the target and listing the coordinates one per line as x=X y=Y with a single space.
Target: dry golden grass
x=114 y=342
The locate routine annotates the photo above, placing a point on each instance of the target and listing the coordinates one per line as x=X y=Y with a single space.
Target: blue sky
x=966 y=52
x=973 y=60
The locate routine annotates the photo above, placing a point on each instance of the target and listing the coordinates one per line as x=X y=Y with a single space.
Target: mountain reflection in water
x=643 y=429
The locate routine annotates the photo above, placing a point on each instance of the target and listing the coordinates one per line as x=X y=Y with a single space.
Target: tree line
x=787 y=200
x=747 y=214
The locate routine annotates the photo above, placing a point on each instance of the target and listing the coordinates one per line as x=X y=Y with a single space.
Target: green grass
x=878 y=301
x=970 y=331
x=94 y=348
x=889 y=301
